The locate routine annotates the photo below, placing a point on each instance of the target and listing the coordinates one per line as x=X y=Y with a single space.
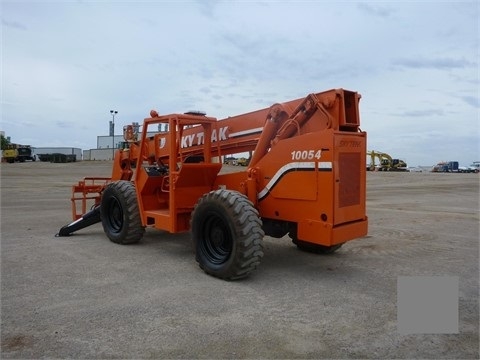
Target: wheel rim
x=217 y=241
x=115 y=215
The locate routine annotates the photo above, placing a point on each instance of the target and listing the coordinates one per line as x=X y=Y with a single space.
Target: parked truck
x=446 y=167
x=306 y=179
x=17 y=153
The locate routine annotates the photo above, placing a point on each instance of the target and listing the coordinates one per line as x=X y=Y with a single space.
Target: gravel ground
x=85 y=297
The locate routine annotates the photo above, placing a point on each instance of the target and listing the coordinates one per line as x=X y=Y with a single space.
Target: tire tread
x=247 y=228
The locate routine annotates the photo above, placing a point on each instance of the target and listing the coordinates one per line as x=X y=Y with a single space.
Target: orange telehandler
x=306 y=178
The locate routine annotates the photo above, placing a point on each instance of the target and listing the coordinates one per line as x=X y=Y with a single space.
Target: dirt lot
x=85 y=297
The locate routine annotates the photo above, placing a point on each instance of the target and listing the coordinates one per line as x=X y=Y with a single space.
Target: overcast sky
x=66 y=64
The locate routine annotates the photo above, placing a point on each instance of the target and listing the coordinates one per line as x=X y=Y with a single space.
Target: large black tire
x=227 y=235
x=119 y=213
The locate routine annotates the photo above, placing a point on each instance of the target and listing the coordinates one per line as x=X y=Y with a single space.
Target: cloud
x=207 y=7
x=421 y=113
x=435 y=63
x=471 y=100
x=64 y=124
x=13 y=25
x=375 y=10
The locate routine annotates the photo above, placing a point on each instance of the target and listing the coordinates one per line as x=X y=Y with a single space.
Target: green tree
x=5 y=142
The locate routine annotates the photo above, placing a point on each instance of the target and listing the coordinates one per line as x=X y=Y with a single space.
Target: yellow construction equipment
x=386 y=162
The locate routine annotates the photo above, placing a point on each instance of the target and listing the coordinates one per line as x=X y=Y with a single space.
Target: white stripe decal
x=246 y=132
x=281 y=171
x=325 y=165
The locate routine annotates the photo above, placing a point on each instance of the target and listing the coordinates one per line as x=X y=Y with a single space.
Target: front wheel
x=119 y=213
x=227 y=235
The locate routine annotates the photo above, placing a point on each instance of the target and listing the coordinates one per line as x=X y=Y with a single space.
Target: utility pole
x=113 y=112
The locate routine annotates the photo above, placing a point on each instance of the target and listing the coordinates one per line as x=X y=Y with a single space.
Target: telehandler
x=306 y=178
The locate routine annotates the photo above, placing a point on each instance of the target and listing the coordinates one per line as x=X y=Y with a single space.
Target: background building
x=106 y=146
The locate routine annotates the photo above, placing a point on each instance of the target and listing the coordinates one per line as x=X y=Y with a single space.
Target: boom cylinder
x=276 y=116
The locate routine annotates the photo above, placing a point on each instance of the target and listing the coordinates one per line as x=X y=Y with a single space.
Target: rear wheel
x=119 y=213
x=227 y=235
